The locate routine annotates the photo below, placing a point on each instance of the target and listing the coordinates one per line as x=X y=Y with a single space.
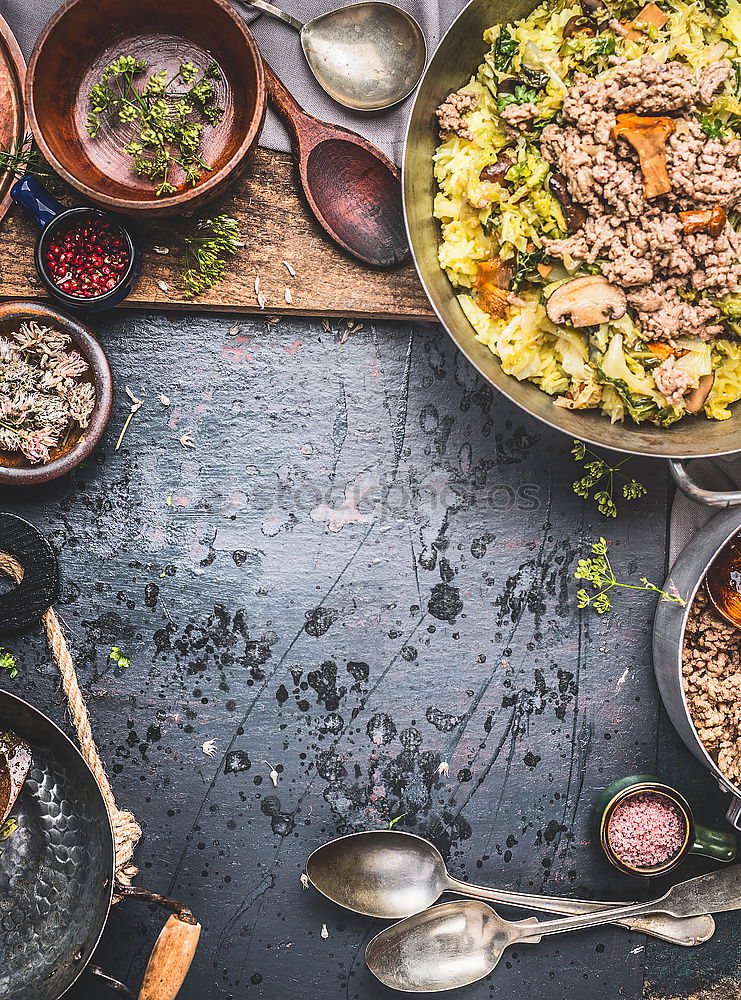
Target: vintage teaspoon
x=352 y=188
x=367 y=56
x=459 y=943
x=391 y=874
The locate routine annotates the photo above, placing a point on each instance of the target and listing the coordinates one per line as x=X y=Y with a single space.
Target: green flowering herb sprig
x=206 y=251
x=599 y=573
x=7 y=662
x=164 y=132
x=600 y=473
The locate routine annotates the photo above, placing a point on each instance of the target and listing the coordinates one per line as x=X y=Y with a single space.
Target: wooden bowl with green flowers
x=56 y=393
x=148 y=108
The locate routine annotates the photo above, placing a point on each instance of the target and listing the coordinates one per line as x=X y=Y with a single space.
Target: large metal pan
x=687 y=574
x=57 y=877
x=457 y=57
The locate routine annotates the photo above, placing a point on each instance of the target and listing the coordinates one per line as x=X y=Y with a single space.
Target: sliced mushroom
x=492 y=282
x=586 y=302
x=579 y=25
x=496 y=173
x=592 y=7
x=573 y=215
x=647 y=136
x=704 y=220
x=695 y=399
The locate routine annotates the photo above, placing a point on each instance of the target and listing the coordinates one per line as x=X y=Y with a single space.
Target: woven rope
x=126 y=831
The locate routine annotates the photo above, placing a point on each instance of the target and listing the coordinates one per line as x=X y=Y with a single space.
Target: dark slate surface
x=363 y=569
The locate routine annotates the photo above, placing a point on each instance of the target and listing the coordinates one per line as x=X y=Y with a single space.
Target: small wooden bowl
x=15 y=469
x=85 y=36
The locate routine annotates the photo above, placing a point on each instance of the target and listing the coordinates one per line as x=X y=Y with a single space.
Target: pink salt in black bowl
x=15 y=468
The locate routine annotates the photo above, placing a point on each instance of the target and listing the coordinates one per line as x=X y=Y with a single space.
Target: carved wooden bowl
x=85 y=36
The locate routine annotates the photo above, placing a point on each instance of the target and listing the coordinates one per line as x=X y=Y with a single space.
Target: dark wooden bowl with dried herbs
x=146 y=107
x=56 y=393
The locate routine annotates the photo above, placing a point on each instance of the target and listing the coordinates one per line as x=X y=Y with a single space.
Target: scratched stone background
x=360 y=572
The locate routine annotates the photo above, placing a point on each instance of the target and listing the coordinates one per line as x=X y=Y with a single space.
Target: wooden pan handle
x=170 y=959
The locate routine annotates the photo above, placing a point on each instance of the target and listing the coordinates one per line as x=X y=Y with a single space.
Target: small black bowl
x=52 y=217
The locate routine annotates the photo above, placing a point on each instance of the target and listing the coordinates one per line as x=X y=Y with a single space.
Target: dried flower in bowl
x=45 y=390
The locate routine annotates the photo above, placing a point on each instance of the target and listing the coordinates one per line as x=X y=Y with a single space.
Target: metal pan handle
x=711 y=498
x=172 y=954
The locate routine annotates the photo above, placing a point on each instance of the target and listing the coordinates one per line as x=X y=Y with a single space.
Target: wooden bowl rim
x=93 y=353
x=10 y=43
x=187 y=195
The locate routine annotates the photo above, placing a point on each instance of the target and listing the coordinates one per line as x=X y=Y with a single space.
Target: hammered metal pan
x=457 y=57
x=687 y=575
x=57 y=876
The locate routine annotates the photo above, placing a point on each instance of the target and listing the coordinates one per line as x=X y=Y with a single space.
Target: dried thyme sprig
x=597 y=471
x=24 y=158
x=599 y=573
x=164 y=134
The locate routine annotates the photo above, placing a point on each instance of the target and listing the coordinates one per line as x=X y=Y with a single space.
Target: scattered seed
x=443 y=768
x=291 y=270
x=234 y=331
x=324 y=932
x=209 y=748
x=165 y=400
x=288 y=296
x=273 y=773
x=186 y=441
x=304 y=880
x=162 y=250
x=261 y=301
x=163 y=286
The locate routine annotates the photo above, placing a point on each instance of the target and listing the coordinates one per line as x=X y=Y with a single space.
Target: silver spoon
x=391 y=874
x=458 y=943
x=368 y=56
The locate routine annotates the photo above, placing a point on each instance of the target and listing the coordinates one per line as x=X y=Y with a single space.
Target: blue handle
x=36 y=200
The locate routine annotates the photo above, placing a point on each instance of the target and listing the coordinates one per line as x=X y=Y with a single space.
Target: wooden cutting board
x=276 y=227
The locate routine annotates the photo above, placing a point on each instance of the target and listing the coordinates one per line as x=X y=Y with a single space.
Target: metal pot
x=457 y=57
x=687 y=575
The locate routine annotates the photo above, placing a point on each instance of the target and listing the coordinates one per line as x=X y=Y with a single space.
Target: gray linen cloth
x=281 y=47
x=687 y=517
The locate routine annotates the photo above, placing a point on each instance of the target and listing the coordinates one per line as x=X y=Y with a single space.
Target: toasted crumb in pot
x=711 y=667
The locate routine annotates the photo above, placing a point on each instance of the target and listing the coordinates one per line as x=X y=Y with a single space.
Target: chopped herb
x=121 y=661
x=7 y=662
x=599 y=573
x=713 y=128
x=598 y=471
x=719 y=7
x=522 y=94
x=737 y=76
x=8 y=828
x=163 y=134
x=505 y=48
x=395 y=820
x=527 y=262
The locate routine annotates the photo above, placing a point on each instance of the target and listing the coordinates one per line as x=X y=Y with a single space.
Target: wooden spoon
x=353 y=189
x=723 y=582
x=15 y=762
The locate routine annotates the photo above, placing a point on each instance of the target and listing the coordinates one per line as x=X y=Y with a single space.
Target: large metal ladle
x=367 y=56
x=458 y=943
x=391 y=874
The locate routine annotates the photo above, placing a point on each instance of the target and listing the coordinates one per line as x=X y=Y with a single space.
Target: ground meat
x=451 y=111
x=639 y=244
x=672 y=382
x=711 y=667
x=517 y=115
x=711 y=78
